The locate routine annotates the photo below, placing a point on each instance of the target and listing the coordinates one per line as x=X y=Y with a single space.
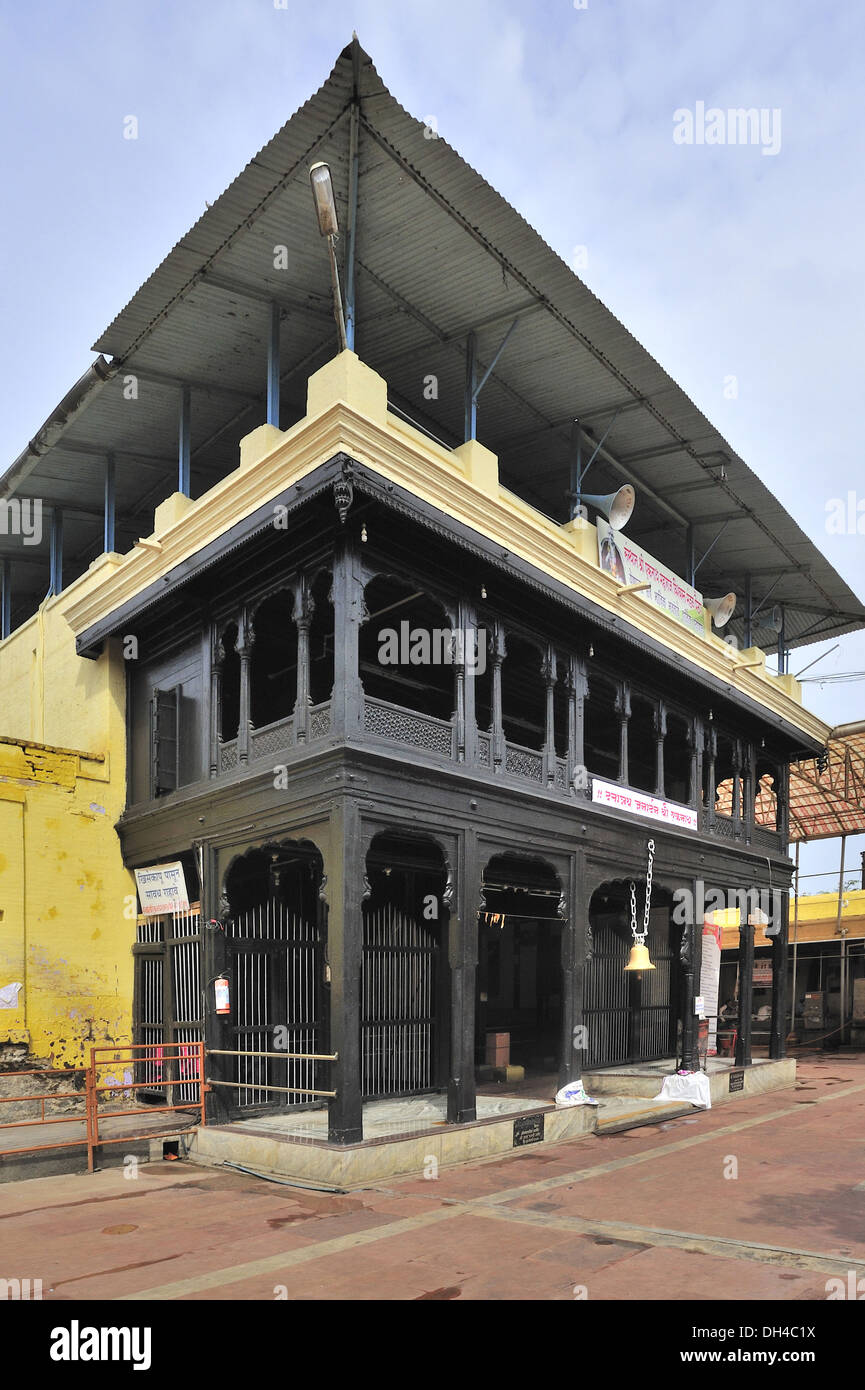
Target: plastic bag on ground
x=573 y=1094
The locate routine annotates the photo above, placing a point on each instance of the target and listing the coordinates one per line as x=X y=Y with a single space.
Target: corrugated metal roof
x=827 y=797
x=439 y=253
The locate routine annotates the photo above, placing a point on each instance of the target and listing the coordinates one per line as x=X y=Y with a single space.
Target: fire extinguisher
x=222 y=992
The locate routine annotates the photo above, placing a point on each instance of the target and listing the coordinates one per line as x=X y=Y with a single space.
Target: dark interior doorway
x=519 y=980
x=631 y=1016
x=404 y=994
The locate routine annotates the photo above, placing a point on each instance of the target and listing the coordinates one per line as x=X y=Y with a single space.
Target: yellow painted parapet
x=347 y=413
x=816 y=919
x=67 y=904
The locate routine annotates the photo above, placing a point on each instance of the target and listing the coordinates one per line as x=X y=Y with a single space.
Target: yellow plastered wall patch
x=67 y=902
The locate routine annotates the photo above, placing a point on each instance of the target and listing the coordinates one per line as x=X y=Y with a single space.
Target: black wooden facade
x=362 y=831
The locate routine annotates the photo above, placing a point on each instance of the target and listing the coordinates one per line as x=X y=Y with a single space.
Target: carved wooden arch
x=600 y=876
x=558 y=865
x=406 y=579
x=280 y=586
x=304 y=841
x=444 y=844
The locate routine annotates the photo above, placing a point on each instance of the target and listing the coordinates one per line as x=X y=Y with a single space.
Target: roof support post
x=690 y=564
x=56 y=551
x=353 y=163
x=184 y=441
x=5 y=599
x=471 y=422
x=273 y=366
x=576 y=471
x=749 y=604
x=110 y=505
x=782 y=655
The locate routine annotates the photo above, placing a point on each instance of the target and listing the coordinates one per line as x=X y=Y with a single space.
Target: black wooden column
x=711 y=754
x=342 y=890
x=217 y=656
x=578 y=688
x=348 y=614
x=778 y=1035
x=303 y=609
x=497 y=655
x=746 y=987
x=623 y=710
x=548 y=671
x=690 y=960
x=245 y=639
x=217 y=1027
x=573 y=971
x=736 y=807
x=462 y=957
x=660 y=735
x=749 y=791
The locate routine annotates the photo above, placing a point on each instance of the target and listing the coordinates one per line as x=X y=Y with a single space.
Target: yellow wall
x=67 y=903
x=816 y=921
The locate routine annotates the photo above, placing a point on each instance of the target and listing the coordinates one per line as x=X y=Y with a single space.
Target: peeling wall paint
x=65 y=926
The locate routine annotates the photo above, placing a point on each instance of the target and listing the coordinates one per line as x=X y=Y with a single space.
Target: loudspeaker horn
x=616 y=506
x=721 y=609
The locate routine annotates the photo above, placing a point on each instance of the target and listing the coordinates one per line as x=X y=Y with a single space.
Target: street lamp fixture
x=328 y=224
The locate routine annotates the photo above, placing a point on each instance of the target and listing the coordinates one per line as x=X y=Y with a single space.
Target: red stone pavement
x=647 y=1213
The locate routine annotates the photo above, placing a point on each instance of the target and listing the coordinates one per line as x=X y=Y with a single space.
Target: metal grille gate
x=629 y=1018
x=167 y=999
x=398 y=1003
x=275 y=966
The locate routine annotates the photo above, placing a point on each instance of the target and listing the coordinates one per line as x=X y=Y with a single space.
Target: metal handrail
x=280 y=1057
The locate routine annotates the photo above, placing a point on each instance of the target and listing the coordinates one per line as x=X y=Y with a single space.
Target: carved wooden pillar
x=548 y=671
x=778 y=1035
x=746 y=987
x=711 y=754
x=497 y=654
x=782 y=803
x=660 y=735
x=573 y=972
x=462 y=958
x=349 y=612
x=245 y=642
x=623 y=710
x=578 y=689
x=217 y=659
x=343 y=891
x=749 y=790
x=737 y=788
x=690 y=960
x=695 y=743
x=303 y=611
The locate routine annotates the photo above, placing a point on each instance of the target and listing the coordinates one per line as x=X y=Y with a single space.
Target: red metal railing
x=190 y=1060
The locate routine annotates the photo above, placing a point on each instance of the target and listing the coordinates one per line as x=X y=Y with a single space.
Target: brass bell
x=639 y=959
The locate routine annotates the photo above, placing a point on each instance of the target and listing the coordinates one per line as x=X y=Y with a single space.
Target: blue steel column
x=5 y=600
x=782 y=640
x=471 y=403
x=184 y=452
x=273 y=366
x=108 y=541
x=352 y=229
x=56 y=584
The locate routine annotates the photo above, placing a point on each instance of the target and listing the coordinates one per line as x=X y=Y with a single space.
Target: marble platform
x=646 y=1078
x=410 y=1136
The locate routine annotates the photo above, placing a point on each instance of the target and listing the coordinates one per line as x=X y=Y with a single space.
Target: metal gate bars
x=398 y=1003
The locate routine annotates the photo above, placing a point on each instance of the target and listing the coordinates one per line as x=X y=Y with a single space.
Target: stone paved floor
x=649 y=1213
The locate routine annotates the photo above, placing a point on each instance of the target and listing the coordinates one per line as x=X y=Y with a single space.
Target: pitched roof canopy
x=438 y=254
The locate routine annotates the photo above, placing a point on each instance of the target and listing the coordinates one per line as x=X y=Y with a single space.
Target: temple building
x=402 y=600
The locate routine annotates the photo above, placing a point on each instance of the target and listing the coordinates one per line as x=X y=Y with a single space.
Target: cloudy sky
x=724 y=261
